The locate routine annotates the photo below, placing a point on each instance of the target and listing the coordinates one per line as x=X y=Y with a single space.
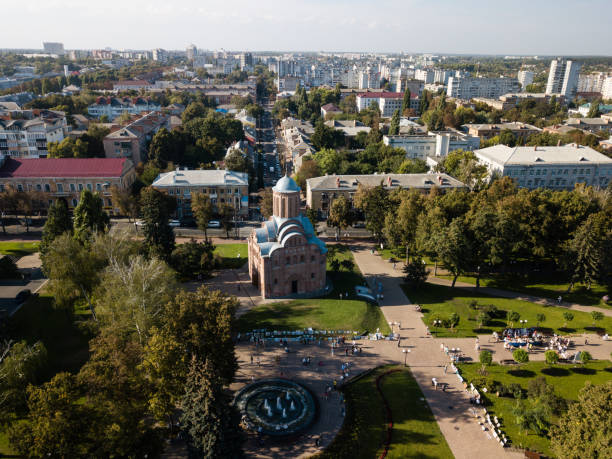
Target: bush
x=486 y=357
x=520 y=356
x=585 y=357
x=551 y=357
x=416 y=273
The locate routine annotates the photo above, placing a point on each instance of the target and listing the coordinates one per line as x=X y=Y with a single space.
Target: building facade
x=113 y=107
x=286 y=258
x=559 y=167
x=525 y=78
x=432 y=144
x=66 y=178
x=27 y=133
x=135 y=85
x=468 y=87
x=486 y=131
x=387 y=102
x=221 y=186
x=321 y=191
x=563 y=78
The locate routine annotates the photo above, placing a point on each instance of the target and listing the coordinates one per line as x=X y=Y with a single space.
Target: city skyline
x=471 y=27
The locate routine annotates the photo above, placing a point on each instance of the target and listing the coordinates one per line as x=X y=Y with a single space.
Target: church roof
x=276 y=232
x=286 y=185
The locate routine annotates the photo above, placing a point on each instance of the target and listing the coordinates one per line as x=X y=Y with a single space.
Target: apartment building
x=66 y=178
x=296 y=139
x=432 y=144
x=606 y=89
x=525 y=78
x=132 y=140
x=53 y=48
x=486 y=131
x=563 y=78
x=387 y=102
x=135 y=85
x=113 y=107
x=591 y=82
x=221 y=186
x=321 y=191
x=467 y=88
x=27 y=133
x=559 y=167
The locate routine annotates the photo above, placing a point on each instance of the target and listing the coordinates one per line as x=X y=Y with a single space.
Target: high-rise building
x=53 y=48
x=492 y=88
x=525 y=78
x=563 y=78
x=160 y=55
x=246 y=61
x=606 y=90
x=191 y=52
x=591 y=82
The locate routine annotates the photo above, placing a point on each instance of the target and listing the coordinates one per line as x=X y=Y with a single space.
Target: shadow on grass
x=482 y=331
x=609 y=369
x=567 y=330
x=231 y=263
x=584 y=371
x=598 y=330
x=555 y=371
x=521 y=373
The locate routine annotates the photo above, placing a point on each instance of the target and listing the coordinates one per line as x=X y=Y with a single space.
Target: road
x=268 y=141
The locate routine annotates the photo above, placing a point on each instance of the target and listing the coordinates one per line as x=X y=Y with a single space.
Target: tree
x=328 y=161
x=340 y=214
x=520 y=356
x=416 y=273
x=395 y=122
x=584 y=431
x=568 y=317
x=309 y=169
x=72 y=270
x=20 y=365
x=89 y=216
x=68 y=148
x=486 y=358
x=464 y=166
x=266 y=204
x=236 y=161
x=58 y=222
x=374 y=203
x=226 y=217
x=209 y=417
x=163 y=148
x=596 y=316
x=594 y=111
x=194 y=110
x=507 y=137
x=125 y=201
x=202 y=209
x=540 y=318
x=158 y=235
x=413 y=166
x=454 y=248
x=193 y=259
x=406 y=101
x=513 y=316
x=551 y=357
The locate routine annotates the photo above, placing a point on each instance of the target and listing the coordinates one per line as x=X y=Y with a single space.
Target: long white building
x=563 y=78
x=548 y=167
x=433 y=144
x=387 y=102
x=467 y=87
x=27 y=133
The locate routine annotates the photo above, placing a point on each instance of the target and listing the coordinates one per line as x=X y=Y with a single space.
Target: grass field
x=543 y=288
x=18 y=249
x=316 y=313
x=229 y=255
x=440 y=302
x=567 y=380
x=415 y=431
x=343 y=281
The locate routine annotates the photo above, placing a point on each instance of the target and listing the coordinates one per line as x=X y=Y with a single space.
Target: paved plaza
x=451 y=408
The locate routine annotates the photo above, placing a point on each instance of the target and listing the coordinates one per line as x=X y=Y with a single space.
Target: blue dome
x=286 y=185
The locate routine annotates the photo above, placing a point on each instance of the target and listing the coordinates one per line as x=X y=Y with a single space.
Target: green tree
x=58 y=222
x=551 y=357
x=413 y=166
x=486 y=358
x=454 y=248
x=374 y=203
x=158 y=235
x=540 y=318
x=395 y=123
x=193 y=259
x=507 y=137
x=202 y=209
x=406 y=101
x=520 y=356
x=513 y=317
x=127 y=203
x=89 y=216
x=328 y=161
x=308 y=170
x=583 y=432
x=226 y=217
x=194 y=110
x=597 y=316
x=568 y=317
x=341 y=214
x=209 y=417
x=20 y=365
x=416 y=273
x=594 y=111
x=236 y=161
x=68 y=148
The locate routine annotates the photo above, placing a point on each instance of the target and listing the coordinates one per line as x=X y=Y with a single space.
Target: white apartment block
x=369 y=79
x=433 y=144
x=387 y=102
x=29 y=135
x=113 y=107
x=591 y=82
x=563 y=78
x=606 y=90
x=525 y=78
x=53 y=48
x=425 y=75
x=548 y=167
x=467 y=88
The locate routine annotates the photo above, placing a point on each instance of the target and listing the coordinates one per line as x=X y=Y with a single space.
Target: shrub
x=551 y=357
x=585 y=357
x=520 y=356
x=486 y=357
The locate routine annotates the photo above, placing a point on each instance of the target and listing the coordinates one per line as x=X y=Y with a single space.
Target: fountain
x=256 y=400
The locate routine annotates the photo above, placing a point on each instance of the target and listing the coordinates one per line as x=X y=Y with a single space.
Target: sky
x=523 y=27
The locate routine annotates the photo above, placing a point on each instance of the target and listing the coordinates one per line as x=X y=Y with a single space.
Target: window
x=222 y=200
x=19 y=187
x=74 y=203
x=72 y=187
x=312 y=275
x=98 y=187
x=38 y=187
x=236 y=191
x=47 y=188
x=89 y=187
x=80 y=187
x=60 y=188
x=109 y=203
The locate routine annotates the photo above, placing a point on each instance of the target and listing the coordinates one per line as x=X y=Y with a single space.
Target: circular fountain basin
x=276 y=406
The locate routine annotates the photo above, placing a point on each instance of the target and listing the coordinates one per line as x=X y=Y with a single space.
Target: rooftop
x=63 y=167
x=351 y=182
x=286 y=185
x=201 y=178
x=566 y=154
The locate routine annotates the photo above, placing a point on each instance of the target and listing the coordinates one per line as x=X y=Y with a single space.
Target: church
x=286 y=258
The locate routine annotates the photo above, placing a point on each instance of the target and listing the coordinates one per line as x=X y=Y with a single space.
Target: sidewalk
x=519 y=296
x=451 y=408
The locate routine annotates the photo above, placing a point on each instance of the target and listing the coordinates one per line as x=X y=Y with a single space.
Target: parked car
x=214 y=224
x=22 y=296
x=359 y=225
x=139 y=223
x=174 y=223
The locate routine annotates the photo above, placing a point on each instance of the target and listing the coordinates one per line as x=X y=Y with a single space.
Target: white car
x=174 y=223
x=139 y=223
x=214 y=224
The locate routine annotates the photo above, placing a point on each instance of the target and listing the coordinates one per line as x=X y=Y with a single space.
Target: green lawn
x=316 y=313
x=567 y=380
x=415 y=431
x=343 y=281
x=18 y=249
x=440 y=302
x=546 y=288
x=229 y=255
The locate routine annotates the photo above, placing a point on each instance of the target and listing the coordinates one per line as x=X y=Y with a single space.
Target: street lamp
x=406 y=352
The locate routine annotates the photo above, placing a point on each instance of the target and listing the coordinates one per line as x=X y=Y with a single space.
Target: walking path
x=450 y=408
x=519 y=296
